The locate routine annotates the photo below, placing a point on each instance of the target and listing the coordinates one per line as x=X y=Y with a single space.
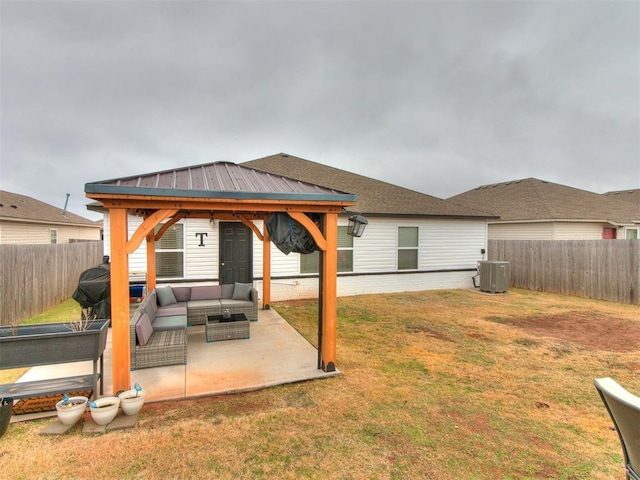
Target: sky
x=435 y=96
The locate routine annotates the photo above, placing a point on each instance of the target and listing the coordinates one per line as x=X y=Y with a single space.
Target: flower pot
x=71 y=411
x=131 y=401
x=105 y=410
x=6 y=409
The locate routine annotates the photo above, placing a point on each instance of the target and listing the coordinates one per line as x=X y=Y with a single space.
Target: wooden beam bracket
x=147 y=226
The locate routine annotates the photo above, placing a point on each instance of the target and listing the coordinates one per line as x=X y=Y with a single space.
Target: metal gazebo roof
x=220 y=180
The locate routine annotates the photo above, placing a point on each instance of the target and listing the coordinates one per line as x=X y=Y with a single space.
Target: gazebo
x=217 y=191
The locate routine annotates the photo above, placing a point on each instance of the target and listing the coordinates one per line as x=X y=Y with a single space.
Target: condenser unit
x=494 y=276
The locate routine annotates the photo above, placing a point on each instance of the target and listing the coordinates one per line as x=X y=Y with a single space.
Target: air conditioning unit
x=494 y=276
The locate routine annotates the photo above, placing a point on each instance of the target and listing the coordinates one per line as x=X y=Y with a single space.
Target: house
x=533 y=209
x=630 y=196
x=413 y=241
x=25 y=220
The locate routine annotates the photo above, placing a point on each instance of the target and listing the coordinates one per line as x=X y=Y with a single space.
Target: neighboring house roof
x=531 y=199
x=374 y=196
x=218 y=180
x=20 y=208
x=632 y=196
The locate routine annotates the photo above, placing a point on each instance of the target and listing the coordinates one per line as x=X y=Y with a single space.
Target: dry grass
x=436 y=385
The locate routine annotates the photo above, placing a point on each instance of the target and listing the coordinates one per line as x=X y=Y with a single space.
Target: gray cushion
x=165 y=296
x=227 y=290
x=182 y=294
x=170 y=323
x=151 y=305
x=179 y=308
x=235 y=304
x=242 y=291
x=203 y=304
x=211 y=292
x=144 y=329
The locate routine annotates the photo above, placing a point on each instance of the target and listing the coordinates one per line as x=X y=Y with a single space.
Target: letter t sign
x=202 y=235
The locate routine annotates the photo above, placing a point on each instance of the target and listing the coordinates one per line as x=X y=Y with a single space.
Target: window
x=632 y=234
x=53 y=235
x=407 y=248
x=170 y=252
x=310 y=263
x=345 y=250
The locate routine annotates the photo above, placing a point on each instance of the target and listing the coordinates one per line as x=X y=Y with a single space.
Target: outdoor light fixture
x=356 y=225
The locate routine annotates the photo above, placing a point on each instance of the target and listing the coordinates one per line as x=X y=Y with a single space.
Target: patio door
x=235 y=262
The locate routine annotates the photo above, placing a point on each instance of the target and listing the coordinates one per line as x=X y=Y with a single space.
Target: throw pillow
x=165 y=296
x=144 y=329
x=242 y=291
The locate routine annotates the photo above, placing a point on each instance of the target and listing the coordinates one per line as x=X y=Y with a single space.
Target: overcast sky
x=439 y=97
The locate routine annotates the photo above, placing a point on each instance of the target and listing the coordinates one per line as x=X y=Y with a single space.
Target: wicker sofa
x=214 y=299
x=157 y=336
x=157 y=330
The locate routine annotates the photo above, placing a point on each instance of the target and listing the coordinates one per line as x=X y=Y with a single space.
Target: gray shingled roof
x=632 y=196
x=374 y=196
x=218 y=180
x=15 y=207
x=532 y=199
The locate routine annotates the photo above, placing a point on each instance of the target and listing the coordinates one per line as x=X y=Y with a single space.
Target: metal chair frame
x=624 y=409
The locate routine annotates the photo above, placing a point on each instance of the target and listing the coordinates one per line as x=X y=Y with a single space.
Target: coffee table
x=217 y=328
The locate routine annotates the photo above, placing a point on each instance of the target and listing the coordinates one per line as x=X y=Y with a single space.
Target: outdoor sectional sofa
x=158 y=328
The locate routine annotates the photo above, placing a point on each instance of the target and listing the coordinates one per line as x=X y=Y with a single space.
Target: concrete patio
x=275 y=354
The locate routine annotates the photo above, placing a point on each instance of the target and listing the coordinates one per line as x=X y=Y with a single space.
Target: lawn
x=435 y=385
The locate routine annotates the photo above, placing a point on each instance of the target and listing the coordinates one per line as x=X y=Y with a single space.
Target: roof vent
x=14 y=206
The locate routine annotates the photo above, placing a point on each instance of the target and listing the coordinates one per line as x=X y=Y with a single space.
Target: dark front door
x=235 y=253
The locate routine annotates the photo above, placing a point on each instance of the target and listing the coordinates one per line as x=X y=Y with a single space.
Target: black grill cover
x=94 y=290
x=289 y=235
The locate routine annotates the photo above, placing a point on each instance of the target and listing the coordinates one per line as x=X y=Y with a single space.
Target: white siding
x=521 y=231
x=290 y=289
x=548 y=231
x=451 y=244
x=446 y=246
x=35 y=233
x=443 y=244
x=201 y=262
x=281 y=265
x=376 y=250
x=579 y=231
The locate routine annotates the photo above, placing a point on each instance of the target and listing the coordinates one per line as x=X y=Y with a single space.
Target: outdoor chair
x=624 y=409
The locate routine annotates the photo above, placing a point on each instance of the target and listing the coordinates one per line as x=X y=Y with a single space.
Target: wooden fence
x=602 y=269
x=34 y=278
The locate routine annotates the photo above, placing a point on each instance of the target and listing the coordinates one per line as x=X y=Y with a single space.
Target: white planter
x=105 y=410
x=131 y=401
x=69 y=413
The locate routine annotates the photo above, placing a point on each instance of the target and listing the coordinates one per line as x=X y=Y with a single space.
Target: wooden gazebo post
x=329 y=293
x=151 y=261
x=120 y=300
x=266 y=268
